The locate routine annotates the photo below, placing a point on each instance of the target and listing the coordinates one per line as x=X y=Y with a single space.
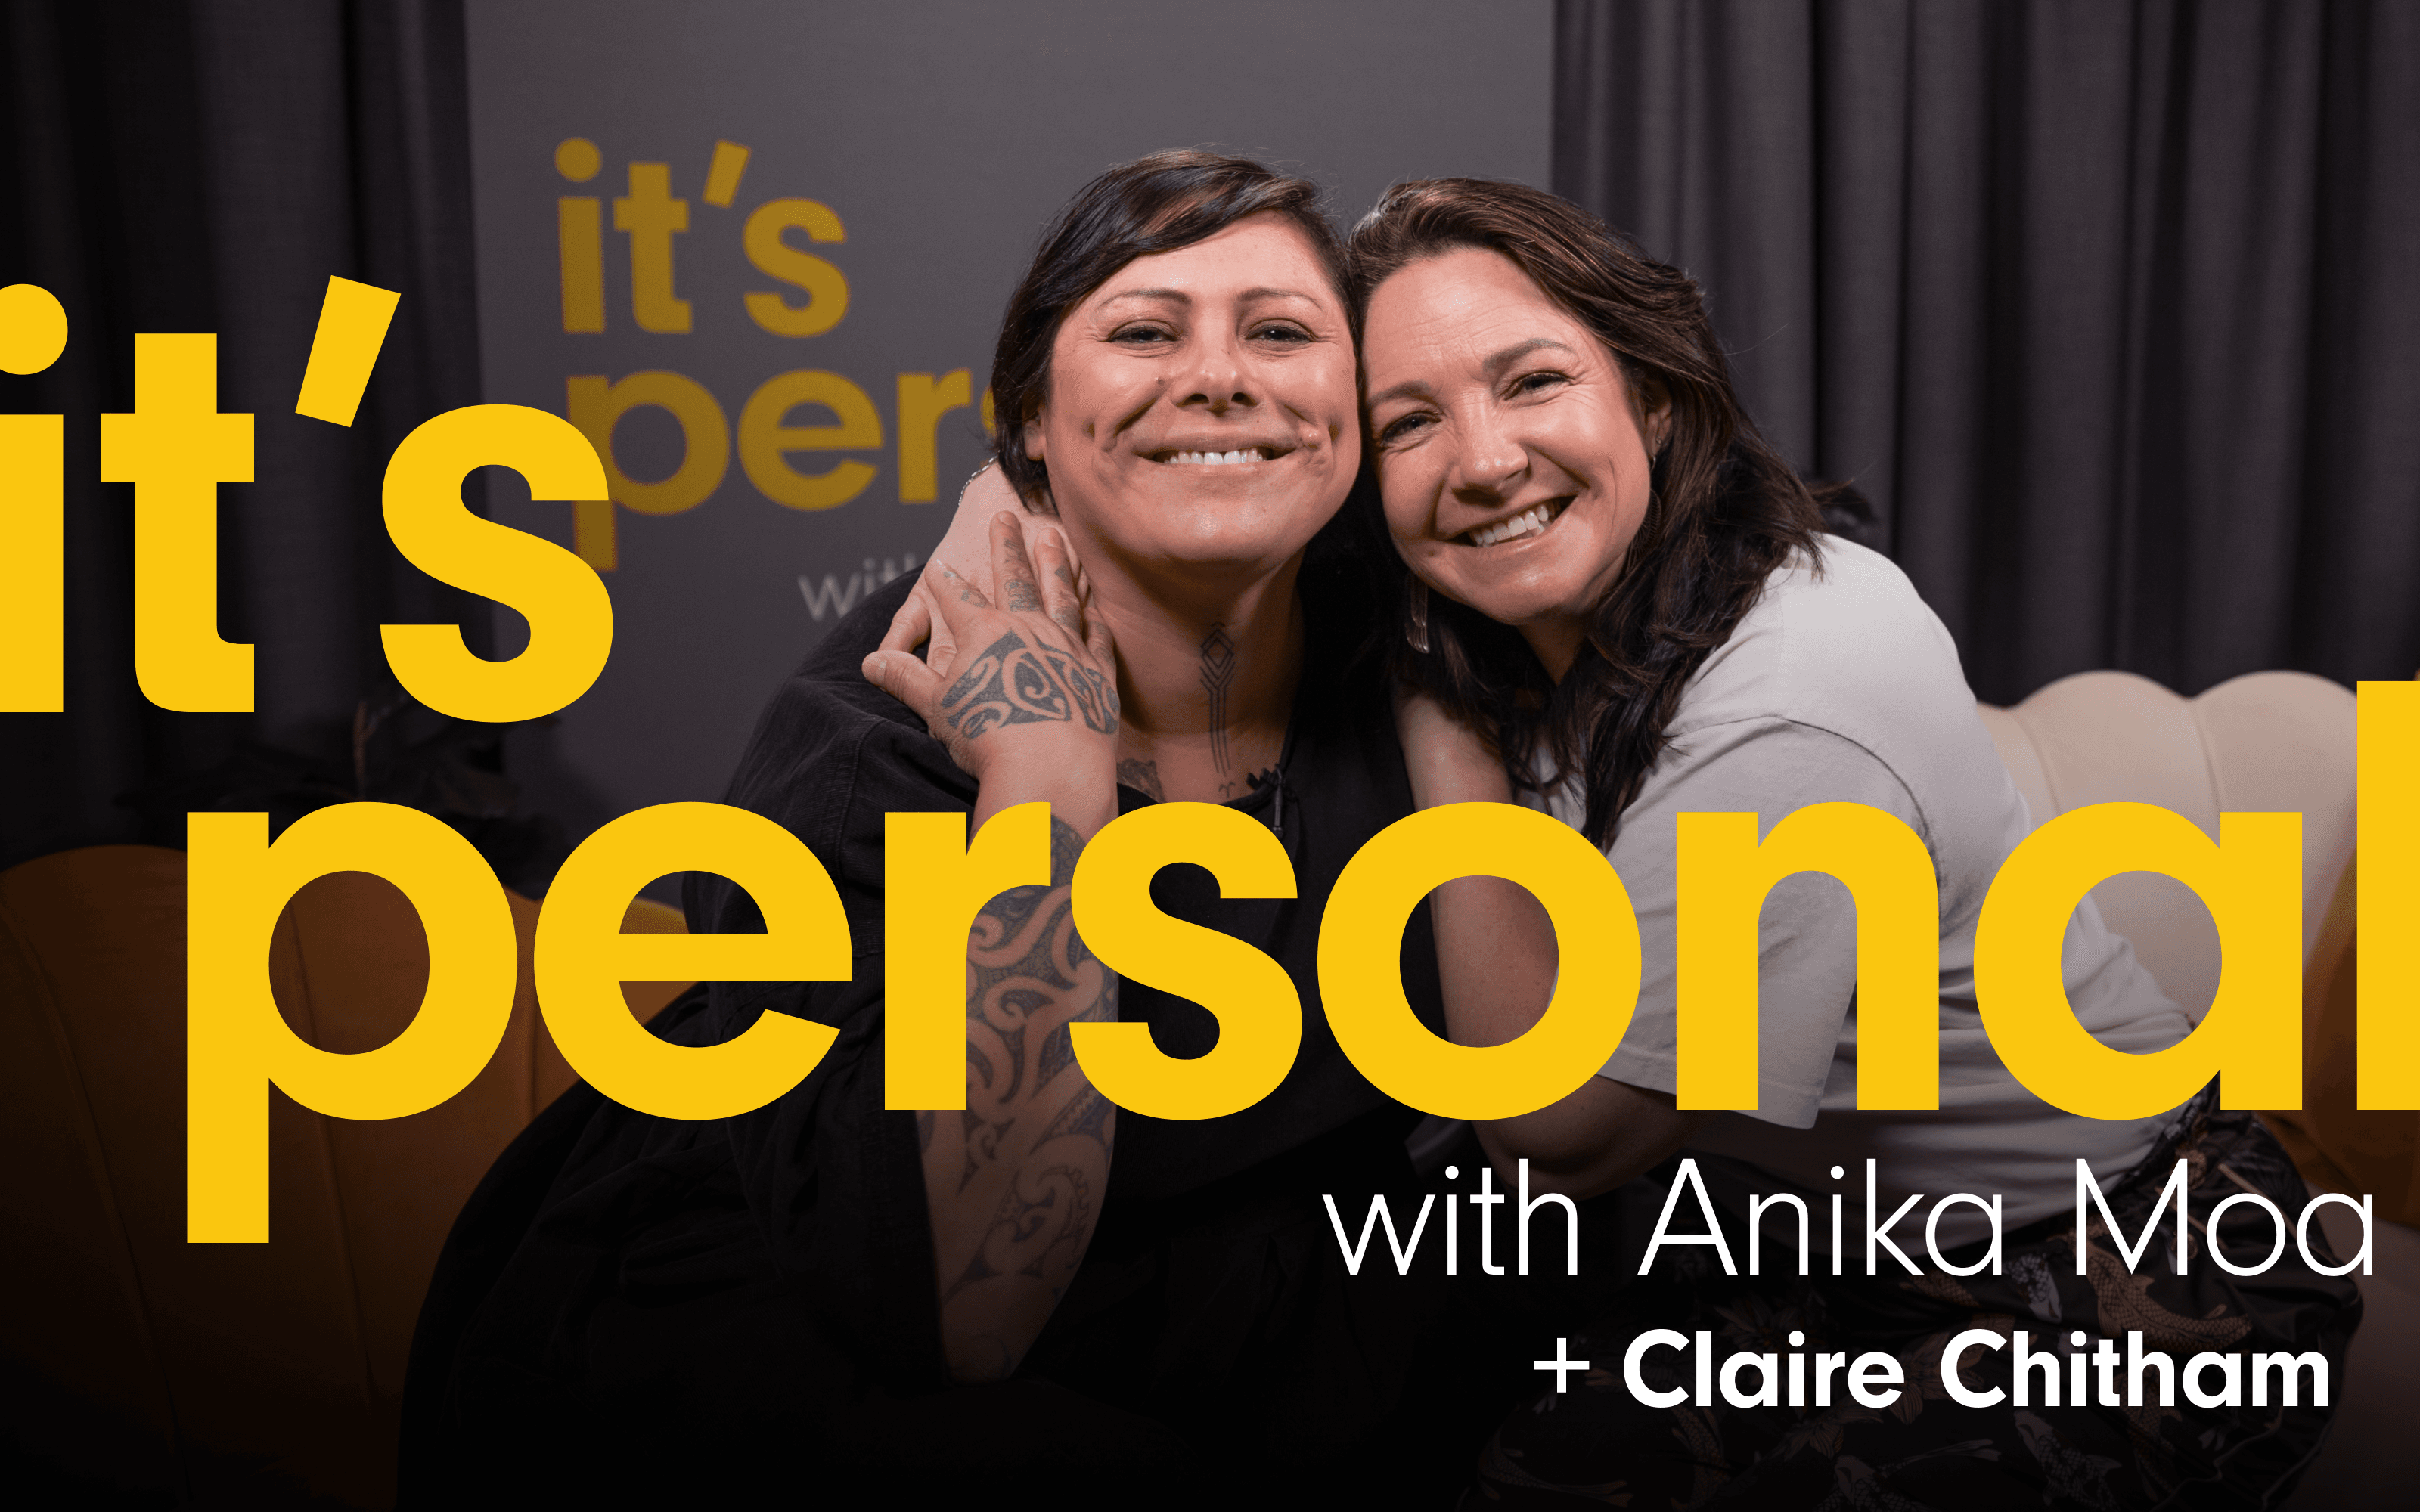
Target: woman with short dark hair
x=1038 y=1289
x=1620 y=607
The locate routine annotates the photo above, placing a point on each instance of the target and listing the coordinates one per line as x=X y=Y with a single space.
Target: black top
x=641 y=1285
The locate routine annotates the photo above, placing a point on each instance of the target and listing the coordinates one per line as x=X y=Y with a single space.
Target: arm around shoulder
x=1495 y=961
x=1593 y=1140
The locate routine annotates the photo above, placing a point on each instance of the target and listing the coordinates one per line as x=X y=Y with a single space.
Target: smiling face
x=1202 y=407
x=1510 y=452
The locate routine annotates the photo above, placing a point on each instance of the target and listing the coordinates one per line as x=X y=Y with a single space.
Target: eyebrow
x=1494 y=367
x=1177 y=296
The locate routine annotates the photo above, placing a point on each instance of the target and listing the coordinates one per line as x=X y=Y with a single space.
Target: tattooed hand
x=1026 y=682
x=965 y=549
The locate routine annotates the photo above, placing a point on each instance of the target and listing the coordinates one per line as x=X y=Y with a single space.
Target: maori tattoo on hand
x=1067 y=615
x=1015 y=683
x=1021 y=595
x=1218 y=674
x=1017 y=1177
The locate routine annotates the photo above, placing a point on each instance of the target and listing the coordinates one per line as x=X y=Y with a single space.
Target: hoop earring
x=1415 y=618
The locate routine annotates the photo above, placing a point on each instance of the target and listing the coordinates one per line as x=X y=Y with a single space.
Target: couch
x=137 y=1366
x=2270 y=741
x=263 y=1375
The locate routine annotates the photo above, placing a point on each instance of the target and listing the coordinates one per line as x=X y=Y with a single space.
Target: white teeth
x=1251 y=454
x=1528 y=522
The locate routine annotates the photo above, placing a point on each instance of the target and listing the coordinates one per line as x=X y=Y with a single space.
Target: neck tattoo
x=1143 y=776
x=1217 y=672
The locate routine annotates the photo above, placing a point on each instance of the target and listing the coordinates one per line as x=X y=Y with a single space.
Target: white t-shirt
x=1842 y=687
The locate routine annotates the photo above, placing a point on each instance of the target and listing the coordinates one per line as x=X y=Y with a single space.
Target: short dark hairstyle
x=1155 y=204
x=1726 y=510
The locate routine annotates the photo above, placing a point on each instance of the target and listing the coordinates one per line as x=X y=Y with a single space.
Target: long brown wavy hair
x=1725 y=509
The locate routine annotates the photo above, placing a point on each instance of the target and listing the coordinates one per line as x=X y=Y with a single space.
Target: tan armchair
x=2271 y=741
x=243 y=1375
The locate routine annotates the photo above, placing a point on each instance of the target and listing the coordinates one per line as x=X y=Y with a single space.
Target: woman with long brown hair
x=1621 y=606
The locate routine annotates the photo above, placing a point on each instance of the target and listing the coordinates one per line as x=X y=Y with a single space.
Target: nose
x=1488 y=461
x=1218 y=378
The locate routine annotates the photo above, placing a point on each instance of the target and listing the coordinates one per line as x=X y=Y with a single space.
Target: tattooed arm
x=1014 y=1181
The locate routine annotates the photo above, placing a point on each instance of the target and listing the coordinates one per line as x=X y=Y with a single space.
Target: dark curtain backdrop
x=2112 y=310
x=205 y=166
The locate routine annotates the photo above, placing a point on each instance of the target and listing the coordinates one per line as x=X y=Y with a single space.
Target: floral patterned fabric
x=1595 y=1445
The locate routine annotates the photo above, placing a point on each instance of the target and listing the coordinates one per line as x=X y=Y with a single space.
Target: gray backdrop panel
x=941 y=134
